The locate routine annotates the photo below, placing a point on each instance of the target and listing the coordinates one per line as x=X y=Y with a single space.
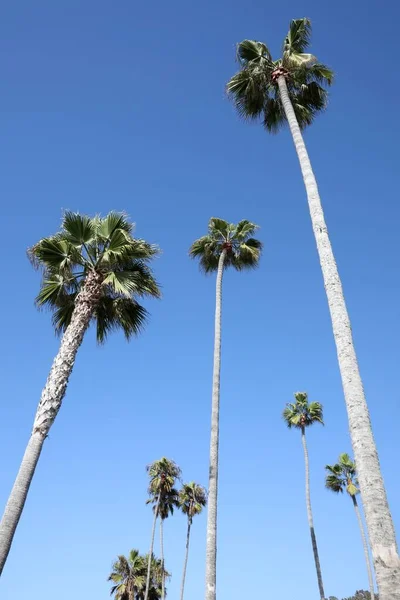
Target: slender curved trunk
x=153 y=533
x=49 y=405
x=310 y=516
x=377 y=513
x=186 y=558
x=365 y=546
x=211 y=550
x=162 y=558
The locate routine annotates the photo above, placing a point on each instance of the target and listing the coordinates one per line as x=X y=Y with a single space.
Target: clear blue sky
x=120 y=105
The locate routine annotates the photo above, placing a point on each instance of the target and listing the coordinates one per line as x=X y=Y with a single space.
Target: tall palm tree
x=343 y=476
x=302 y=414
x=129 y=577
x=292 y=90
x=93 y=270
x=192 y=500
x=226 y=245
x=163 y=474
x=168 y=501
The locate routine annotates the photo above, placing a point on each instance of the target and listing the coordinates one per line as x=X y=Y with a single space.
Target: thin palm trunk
x=211 y=550
x=153 y=533
x=162 y=558
x=310 y=516
x=377 y=513
x=186 y=558
x=365 y=546
x=49 y=405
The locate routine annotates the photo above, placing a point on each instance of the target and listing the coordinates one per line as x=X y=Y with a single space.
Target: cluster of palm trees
x=341 y=476
x=139 y=577
x=95 y=270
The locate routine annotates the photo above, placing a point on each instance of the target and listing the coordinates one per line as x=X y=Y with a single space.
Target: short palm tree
x=129 y=577
x=93 y=271
x=343 y=476
x=225 y=245
x=292 y=90
x=162 y=494
x=302 y=414
x=192 y=500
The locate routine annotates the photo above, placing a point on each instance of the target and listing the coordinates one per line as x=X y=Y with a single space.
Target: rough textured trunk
x=211 y=551
x=153 y=533
x=49 y=405
x=162 y=559
x=310 y=517
x=186 y=558
x=365 y=546
x=377 y=513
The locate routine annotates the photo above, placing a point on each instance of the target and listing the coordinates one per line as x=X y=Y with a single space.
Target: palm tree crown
x=302 y=413
x=242 y=250
x=129 y=577
x=103 y=248
x=254 y=89
x=192 y=499
x=342 y=476
x=162 y=473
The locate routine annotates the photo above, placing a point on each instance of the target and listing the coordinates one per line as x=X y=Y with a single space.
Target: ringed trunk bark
x=377 y=513
x=365 y=546
x=186 y=558
x=310 y=517
x=49 y=405
x=153 y=532
x=211 y=550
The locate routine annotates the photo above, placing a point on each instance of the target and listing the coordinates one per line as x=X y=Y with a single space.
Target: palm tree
x=93 y=270
x=192 y=499
x=291 y=90
x=163 y=474
x=168 y=501
x=226 y=245
x=343 y=476
x=301 y=415
x=129 y=577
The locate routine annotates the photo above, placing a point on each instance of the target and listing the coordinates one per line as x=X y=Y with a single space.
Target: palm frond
x=298 y=37
x=77 y=229
x=248 y=90
x=251 y=50
x=56 y=254
x=119 y=313
x=105 y=227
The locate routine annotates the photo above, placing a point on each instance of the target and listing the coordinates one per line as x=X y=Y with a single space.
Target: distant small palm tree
x=93 y=271
x=301 y=415
x=343 y=476
x=192 y=500
x=163 y=474
x=225 y=245
x=129 y=577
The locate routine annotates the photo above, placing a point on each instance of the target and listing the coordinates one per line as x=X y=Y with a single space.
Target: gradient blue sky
x=120 y=105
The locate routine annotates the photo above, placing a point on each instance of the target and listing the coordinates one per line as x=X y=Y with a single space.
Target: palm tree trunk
x=377 y=513
x=153 y=532
x=49 y=405
x=365 y=546
x=162 y=559
x=211 y=550
x=186 y=558
x=310 y=516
